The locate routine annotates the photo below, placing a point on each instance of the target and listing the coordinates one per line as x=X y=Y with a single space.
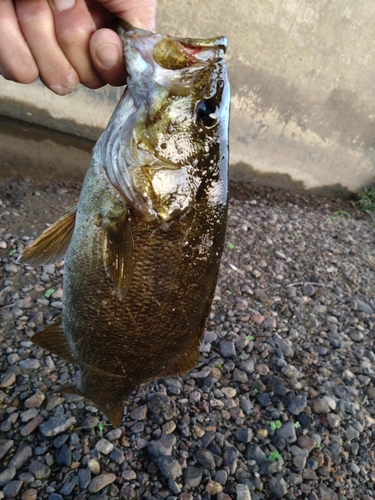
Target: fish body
x=143 y=248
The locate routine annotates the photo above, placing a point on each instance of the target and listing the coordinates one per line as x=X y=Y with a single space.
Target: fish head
x=171 y=126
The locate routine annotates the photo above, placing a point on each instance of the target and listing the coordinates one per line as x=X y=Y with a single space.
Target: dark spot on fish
x=206 y=113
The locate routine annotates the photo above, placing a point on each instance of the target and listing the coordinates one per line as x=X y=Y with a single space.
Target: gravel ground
x=281 y=404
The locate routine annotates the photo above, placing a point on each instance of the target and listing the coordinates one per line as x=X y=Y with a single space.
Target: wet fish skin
x=142 y=261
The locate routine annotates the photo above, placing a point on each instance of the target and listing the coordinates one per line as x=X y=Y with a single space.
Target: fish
x=142 y=248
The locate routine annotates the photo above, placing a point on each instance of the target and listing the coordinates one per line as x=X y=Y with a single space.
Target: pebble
x=29 y=364
x=101 y=481
x=163 y=446
x=7 y=475
x=227 y=349
x=288 y=432
x=23 y=453
x=94 y=466
x=320 y=405
x=192 y=476
x=205 y=458
x=39 y=470
x=5 y=446
x=278 y=486
x=29 y=494
x=12 y=489
x=242 y=492
x=169 y=467
x=7 y=380
x=56 y=425
x=104 y=446
x=84 y=476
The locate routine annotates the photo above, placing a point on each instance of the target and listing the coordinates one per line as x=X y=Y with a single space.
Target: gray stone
x=117 y=456
x=288 y=432
x=255 y=452
x=163 y=446
x=139 y=413
x=242 y=492
x=227 y=349
x=84 y=476
x=5 y=446
x=12 y=489
x=230 y=457
x=29 y=364
x=296 y=406
x=39 y=470
x=278 y=486
x=64 y=456
x=7 y=475
x=299 y=452
x=221 y=476
x=192 y=476
x=104 y=446
x=205 y=458
x=364 y=307
x=325 y=493
x=169 y=467
x=67 y=488
x=114 y=434
x=244 y=434
x=56 y=425
x=22 y=455
x=101 y=481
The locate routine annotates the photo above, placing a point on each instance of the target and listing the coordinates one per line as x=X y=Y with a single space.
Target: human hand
x=67 y=42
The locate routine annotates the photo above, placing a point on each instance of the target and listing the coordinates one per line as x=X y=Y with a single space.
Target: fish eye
x=206 y=113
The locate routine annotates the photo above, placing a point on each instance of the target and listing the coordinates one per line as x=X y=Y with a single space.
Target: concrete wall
x=303 y=96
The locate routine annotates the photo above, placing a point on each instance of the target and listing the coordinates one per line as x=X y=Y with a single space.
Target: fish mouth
x=139 y=163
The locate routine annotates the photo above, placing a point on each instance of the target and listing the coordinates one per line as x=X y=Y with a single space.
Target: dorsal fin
x=118 y=253
x=53 y=339
x=53 y=243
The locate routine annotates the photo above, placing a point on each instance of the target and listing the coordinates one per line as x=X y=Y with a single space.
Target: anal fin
x=53 y=243
x=118 y=253
x=114 y=412
x=53 y=339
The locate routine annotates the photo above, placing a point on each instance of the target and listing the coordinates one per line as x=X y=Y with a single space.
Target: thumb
x=138 y=13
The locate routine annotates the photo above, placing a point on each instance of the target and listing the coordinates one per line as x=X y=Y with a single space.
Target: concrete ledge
x=38 y=153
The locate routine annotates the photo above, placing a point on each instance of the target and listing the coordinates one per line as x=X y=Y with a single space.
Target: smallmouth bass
x=143 y=247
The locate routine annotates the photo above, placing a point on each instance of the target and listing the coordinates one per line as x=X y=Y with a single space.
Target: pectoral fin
x=53 y=339
x=118 y=253
x=53 y=243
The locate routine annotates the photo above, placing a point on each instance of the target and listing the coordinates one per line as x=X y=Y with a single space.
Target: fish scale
x=143 y=247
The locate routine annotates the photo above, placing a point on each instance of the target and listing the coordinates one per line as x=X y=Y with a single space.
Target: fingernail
x=108 y=55
x=64 y=4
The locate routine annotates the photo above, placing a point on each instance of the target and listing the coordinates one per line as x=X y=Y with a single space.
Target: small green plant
x=250 y=337
x=297 y=425
x=274 y=455
x=12 y=252
x=334 y=216
x=230 y=246
x=219 y=365
x=275 y=425
x=99 y=425
x=366 y=200
x=255 y=389
x=297 y=236
x=318 y=446
x=49 y=292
